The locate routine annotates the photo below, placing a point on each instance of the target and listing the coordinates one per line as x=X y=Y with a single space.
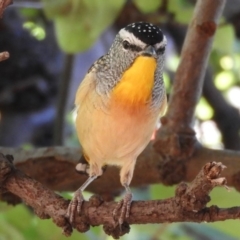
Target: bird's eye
x=126 y=44
x=161 y=50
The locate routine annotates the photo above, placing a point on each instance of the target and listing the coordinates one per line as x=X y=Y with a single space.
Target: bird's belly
x=116 y=135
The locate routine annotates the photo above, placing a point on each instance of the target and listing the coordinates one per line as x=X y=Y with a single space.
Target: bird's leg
x=77 y=200
x=124 y=205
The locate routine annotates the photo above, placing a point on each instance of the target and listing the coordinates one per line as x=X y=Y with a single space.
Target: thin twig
x=59 y=126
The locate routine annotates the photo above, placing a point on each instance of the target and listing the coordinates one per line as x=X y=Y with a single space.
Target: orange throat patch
x=136 y=84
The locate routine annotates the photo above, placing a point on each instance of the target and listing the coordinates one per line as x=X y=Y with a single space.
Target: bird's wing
x=87 y=95
x=162 y=111
x=163 y=106
x=87 y=85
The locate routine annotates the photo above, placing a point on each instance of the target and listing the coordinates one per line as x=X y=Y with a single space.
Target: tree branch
x=189 y=203
x=55 y=168
x=59 y=126
x=176 y=140
x=188 y=80
x=226 y=116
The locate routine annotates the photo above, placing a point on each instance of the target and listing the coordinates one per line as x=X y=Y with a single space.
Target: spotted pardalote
x=119 y=103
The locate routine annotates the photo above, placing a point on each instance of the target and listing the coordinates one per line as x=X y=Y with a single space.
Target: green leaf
x=224 y=80
x=159 y=191
x=203 y=110
x=147 y=6
x=182 y=10
x=224 y=39
x=79 y=23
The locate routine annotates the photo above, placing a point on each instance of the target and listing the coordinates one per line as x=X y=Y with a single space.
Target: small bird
x=118 y=104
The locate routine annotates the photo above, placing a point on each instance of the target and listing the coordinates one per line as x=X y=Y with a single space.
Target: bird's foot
x=124 y=206
x=83 y=168
x=75 y=206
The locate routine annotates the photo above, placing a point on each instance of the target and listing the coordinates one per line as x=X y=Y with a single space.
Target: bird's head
x=137 y=39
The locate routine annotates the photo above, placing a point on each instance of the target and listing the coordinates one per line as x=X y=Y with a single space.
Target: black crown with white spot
x=146 y=32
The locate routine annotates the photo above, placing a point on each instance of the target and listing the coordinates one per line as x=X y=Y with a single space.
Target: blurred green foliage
x=203 y=110
x=147 y=6
x=181 y=9
x=33 y=22
x=79 y=23
x=36 y=31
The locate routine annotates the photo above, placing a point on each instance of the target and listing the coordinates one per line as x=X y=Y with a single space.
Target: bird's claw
x=124 y=205
x=75 y=206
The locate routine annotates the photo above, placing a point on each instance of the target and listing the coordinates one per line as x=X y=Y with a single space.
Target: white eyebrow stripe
x=131 y=38
x=163 y=43
x=136 y=41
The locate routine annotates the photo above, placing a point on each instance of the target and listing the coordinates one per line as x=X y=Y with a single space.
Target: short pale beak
x=149 y=51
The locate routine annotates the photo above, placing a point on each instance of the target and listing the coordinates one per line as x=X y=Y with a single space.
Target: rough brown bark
x=55 y=168
x=188 y=84
x=189 y=203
